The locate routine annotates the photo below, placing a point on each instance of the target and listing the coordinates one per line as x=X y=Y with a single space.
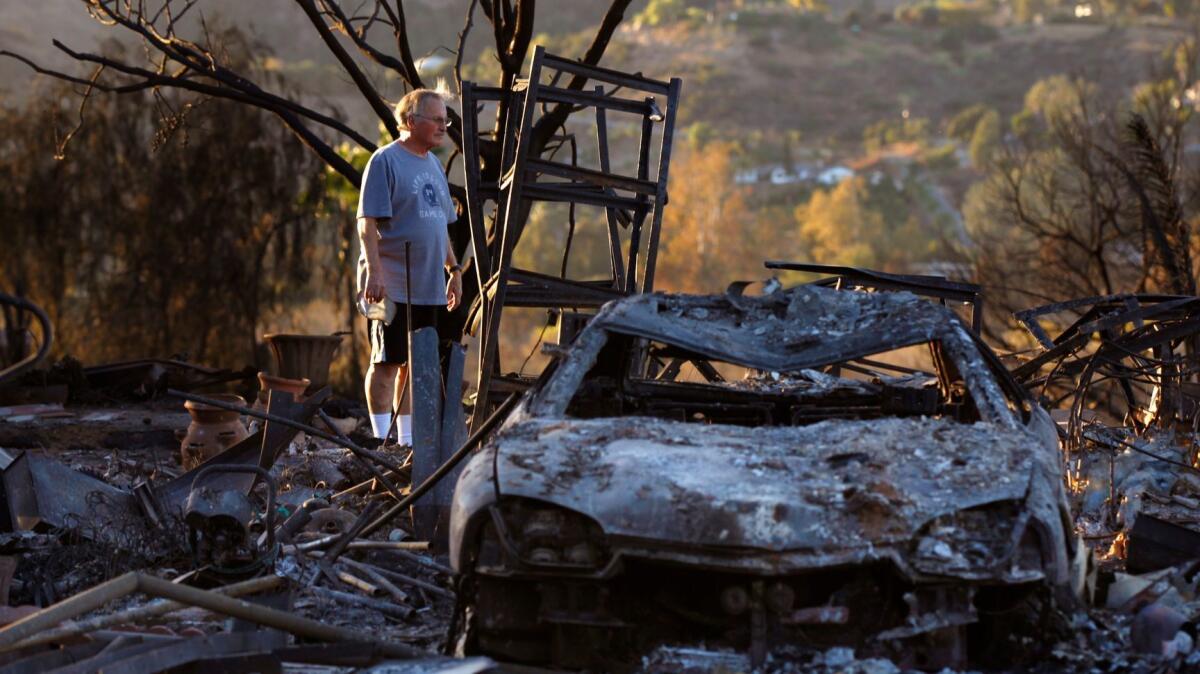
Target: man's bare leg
x=380 y=385
x=403 y=406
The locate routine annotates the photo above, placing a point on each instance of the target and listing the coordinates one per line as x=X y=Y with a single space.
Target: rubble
x=222 y=529
x=809 y=500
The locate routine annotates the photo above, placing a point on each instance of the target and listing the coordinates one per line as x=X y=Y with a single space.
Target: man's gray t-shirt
x=409 y=196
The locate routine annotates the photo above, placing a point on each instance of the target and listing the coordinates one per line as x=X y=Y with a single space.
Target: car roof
x=801 y=327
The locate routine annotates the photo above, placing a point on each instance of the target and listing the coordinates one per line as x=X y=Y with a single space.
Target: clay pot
x=304 y=356
x=212 y=430
x=268 y=382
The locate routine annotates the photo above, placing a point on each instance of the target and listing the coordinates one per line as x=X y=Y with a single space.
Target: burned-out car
x=811 y=467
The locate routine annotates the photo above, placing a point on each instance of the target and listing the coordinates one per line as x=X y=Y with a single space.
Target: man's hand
x=453 y=290
x=373 y=288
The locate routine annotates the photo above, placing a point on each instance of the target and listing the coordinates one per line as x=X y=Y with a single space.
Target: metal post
x=425 y=390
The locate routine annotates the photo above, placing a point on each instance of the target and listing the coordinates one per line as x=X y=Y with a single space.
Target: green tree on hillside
x=1058 y=97
x=1024 y=11
x=861 y=225
x=985 y=139
x=887 y=132
x=810 y=6
x=962 y=125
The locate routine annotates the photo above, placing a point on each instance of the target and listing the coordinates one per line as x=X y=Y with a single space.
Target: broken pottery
x=212 y=430
x=269 y=382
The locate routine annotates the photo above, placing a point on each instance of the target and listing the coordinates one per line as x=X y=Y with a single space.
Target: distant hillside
x=829 y=82
x=744 y=73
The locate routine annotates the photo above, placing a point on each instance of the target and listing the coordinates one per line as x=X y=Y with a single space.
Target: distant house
x=745 y=177
x=834 y=175
x=780 y=176
x=776 y=174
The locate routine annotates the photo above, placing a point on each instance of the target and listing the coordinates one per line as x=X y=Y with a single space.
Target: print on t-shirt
x=422 y=184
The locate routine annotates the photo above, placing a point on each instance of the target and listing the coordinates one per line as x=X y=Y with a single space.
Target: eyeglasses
x=440 y=121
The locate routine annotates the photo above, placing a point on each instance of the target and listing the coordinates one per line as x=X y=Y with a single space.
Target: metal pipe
x=47 y=336
x=77 y=605
x=146 y=612
x=383 y=606
x=263 y=615
x=356 y=582
x=379 y=579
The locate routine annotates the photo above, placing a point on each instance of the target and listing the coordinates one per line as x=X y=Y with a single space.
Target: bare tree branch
x=462 y=44
x=356 y=74
x=558 y=116
x=73 y=79
x=60 y=149
x=255 y=96
x=408 y=67
x=359 y=36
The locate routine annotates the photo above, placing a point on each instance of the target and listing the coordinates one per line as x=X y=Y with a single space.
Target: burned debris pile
x=168 y=530
x=1120 y=381
x=290 y=530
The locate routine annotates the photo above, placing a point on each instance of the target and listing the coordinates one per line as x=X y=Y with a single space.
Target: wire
x=535 y=344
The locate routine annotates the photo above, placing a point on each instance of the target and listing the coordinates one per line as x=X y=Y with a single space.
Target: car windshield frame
x=994 y=402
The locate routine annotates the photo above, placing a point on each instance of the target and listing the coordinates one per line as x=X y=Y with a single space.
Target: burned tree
x=1167 y=261
x=1086 y=197
x=182 y=242
x=364 y=41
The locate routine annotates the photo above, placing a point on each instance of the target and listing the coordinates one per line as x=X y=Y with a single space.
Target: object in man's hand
x=383 y=310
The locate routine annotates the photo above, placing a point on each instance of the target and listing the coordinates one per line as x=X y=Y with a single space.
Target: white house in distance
x=778 y=174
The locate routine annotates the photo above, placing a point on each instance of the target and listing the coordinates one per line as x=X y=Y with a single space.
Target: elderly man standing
x=405 y=199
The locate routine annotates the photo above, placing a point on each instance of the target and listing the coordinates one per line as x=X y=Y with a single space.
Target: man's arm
x=454 y=284
x=368 y=236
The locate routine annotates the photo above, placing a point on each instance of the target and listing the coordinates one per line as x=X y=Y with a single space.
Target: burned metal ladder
x=630 y=201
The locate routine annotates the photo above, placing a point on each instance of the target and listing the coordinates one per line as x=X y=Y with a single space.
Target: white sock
x=404 y=429
x=380 y=424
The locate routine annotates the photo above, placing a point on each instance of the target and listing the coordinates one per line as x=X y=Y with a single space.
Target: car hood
x=828 y=486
